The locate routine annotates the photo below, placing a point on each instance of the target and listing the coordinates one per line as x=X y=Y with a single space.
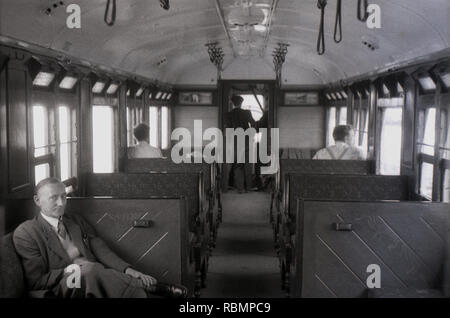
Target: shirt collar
x=341 y=144
x=52 y=221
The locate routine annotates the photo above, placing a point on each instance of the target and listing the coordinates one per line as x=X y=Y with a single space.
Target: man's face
x=51 y=199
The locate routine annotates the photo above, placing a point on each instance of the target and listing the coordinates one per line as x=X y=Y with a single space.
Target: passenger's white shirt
x=339 y=151
x=144 y=150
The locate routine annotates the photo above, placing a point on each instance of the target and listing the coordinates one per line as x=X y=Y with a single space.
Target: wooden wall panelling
x=19 y=137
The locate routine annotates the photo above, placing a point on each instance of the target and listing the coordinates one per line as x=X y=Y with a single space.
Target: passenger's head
x=237 y=101
x=50 y=197
x=344 y=133
x=141 y=132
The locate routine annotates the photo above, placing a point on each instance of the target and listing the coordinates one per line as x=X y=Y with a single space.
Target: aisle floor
x=244 y=262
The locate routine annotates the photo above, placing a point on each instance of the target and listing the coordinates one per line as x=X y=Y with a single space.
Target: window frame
x=52 y=99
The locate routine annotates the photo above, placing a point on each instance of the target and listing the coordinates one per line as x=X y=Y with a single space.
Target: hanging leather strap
x=321 y=4
x=338 y=22
x=110 y=12
x=362 y=13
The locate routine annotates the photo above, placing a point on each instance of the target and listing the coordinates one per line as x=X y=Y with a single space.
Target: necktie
x=62 y=229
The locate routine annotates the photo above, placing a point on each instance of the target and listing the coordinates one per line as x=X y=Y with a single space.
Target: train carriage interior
x=345 y=104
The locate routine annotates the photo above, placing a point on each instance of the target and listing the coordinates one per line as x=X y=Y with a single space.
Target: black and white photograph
x=217 y=157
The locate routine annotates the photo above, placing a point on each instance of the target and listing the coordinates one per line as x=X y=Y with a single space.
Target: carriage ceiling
x=170 y=45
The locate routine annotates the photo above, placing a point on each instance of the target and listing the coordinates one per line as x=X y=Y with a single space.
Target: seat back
x=344 y=188
x=12 y=282
x=147 y=185
x=339 y=243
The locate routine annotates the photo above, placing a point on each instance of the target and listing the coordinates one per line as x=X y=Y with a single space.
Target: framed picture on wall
x=301 y=98
x=195 y=98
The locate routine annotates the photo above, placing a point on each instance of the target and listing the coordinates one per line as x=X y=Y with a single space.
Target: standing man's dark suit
x=240 y=118
x=44 y=260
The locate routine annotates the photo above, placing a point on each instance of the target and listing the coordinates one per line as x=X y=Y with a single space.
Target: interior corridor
x=244 y=262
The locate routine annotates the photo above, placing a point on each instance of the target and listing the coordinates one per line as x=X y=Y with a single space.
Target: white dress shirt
x=144 y=150
x=339 y=151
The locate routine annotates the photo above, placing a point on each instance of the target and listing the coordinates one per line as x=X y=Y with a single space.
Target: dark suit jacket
x=44 y=258
x=239 y=118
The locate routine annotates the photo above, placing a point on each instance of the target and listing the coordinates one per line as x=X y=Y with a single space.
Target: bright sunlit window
x=446 y=193
x=343 y=116
x=252 y=105
x=331 y=125
x=103 y=138
x=427 y=144
x=40 y=130
x=41 y=172
x=154 y=125
x=391 y=141
x=67 y=143
x=426 y=180
x=164 y=127
x=43 y=79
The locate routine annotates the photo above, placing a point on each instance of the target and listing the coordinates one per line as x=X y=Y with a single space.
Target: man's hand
x=147 y=280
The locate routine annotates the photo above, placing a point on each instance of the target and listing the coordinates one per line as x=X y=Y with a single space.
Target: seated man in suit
x=143 y=148
x=50 y=244
x=343 y=149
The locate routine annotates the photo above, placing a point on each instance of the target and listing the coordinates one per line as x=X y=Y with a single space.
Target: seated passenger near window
x=53 y=243
x=343 y=149
x=143 y=148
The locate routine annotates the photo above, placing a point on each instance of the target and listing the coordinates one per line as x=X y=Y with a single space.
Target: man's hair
x=45 y=182
x=237 y=100
x=141 y=131
x=342 y=131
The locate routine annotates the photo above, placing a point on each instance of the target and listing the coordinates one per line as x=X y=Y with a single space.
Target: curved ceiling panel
x=167 y=45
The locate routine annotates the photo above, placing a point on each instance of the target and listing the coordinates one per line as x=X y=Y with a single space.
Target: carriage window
x=103 y=138
x=425 y=144
x=67 y=143
x=129 y=128
x=252 y=105
x=343 y=116
x=41 y=172
x=427 y=120
x=445 y=134
x=154 y=127
x=446 y=189
x=164 y=127
x=426 y=179
x=40 y=131
x=331 y=124
x=42 y=145
x=362 y=129
x=391 y=140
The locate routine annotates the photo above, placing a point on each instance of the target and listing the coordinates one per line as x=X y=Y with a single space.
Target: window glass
x=331 y=125
x=129 y=128
x=252 y=105
x=164 y=127
x=363 y=130
x=41 y=172
x=446 y=193
x=426 y=180
x=103 y=139
x=445 y=134
x=40 y=130
x=64 y=142
x=391 y=141
x=427 y=145
x=343 y=116
x=153 y=119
